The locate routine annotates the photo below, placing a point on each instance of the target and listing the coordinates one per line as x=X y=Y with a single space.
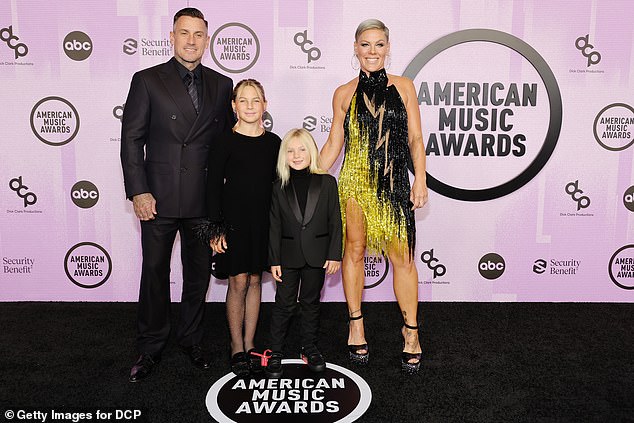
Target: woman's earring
x=388 y=61
x=354 y=62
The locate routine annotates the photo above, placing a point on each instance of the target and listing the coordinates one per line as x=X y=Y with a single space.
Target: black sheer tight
x=243 y=308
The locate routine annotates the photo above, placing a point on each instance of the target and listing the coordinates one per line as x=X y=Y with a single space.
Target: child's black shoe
x=274 y=365
x=313 y=358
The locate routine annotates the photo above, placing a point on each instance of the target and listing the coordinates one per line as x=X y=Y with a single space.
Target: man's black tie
x=191 y=89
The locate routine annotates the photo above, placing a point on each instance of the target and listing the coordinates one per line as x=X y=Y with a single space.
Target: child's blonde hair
x=283 y=170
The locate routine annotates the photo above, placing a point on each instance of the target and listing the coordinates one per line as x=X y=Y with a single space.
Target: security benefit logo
x=17 y=265
x=88 y=265
x=491 y=113
x=235 y=47
x=621 y=267
x=614 y=127
x=556 y=266
x=336 y=395
x=54 y=121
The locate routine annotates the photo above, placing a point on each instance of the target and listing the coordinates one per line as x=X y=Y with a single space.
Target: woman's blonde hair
x=283 y=170
x=372 y=24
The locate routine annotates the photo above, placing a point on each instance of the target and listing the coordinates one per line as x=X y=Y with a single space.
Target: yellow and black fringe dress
x=375 y=165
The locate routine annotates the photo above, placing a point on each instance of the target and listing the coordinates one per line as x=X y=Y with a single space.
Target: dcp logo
x=583 y=45
x=22 y=191
x=77 y=46
x=301 y=39
x=572 y=189
x=432 y=263
x=491 y=266
x=117 y=112
x=84 y=194
x=19 y=49
x=309 y=123
x=130 y=46
x=540 y=266
x=628 y=198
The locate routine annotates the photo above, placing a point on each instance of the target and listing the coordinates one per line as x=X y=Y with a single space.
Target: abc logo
x=84 y=194
x=77 y=46
x=491 y=266
x=628 y=198
x=267 y=121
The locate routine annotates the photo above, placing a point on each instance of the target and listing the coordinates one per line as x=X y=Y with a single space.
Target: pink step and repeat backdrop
x=526 y=109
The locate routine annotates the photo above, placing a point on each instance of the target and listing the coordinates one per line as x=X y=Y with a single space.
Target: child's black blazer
x=296 y=240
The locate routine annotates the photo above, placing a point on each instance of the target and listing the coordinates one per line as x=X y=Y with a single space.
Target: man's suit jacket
x=165 y=144
x=296 y=240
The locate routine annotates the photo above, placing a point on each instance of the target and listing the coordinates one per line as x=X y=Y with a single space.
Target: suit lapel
x=313 y=195
x=291 y=197
x=210 y=88
x=174 y=86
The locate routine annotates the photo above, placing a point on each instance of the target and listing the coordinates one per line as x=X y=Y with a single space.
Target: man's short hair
x=191 y=11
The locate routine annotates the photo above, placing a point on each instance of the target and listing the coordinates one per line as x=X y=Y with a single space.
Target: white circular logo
x=54 y=121
x=375 y=269
x=335 y=395
x=88 y=265
x=614 y=127
x=478 y=118
x=621 y=267
x=235 y=47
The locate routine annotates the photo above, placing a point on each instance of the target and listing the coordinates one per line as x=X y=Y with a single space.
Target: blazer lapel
x=292 y=201
x=313 y=195
x=210 y=88
x=176 y=89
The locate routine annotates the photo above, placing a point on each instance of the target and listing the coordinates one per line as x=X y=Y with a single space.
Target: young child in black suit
x=305 y=243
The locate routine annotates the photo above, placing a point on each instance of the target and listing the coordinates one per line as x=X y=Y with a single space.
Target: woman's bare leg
x=406 y=291
x=353 y=272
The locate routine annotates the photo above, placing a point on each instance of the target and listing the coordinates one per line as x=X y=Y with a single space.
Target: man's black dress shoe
x=142 y=367
x=197 y=356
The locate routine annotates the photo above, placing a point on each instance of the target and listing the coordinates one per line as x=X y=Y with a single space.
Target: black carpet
x=483 y=362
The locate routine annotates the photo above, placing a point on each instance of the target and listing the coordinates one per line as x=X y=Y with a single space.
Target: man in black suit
x=172 y=114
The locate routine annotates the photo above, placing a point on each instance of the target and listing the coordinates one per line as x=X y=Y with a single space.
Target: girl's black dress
x=241 y=171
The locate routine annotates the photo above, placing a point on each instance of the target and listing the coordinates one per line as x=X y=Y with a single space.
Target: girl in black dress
x=241 y=172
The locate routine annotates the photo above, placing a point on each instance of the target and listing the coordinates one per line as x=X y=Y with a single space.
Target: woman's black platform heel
x=406 y=366
x=355 y=356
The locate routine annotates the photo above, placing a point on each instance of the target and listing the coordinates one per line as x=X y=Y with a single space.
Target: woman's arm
x=334 y=143
x=418 y=194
